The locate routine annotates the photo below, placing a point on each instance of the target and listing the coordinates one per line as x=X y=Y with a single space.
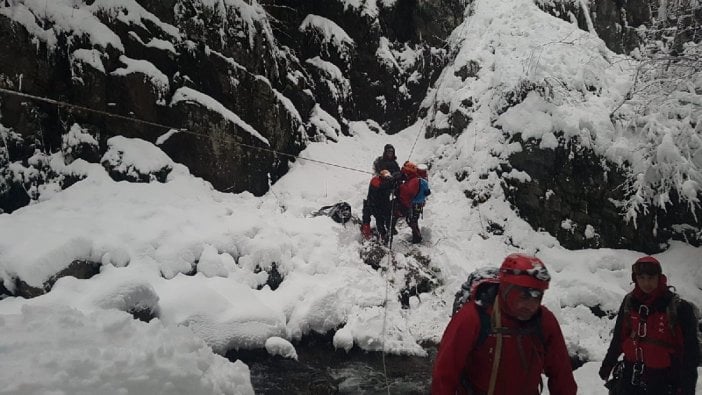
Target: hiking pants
x=654 y=382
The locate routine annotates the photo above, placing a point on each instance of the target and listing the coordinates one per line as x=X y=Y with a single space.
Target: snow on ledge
x=186 y=94
x=108 y=352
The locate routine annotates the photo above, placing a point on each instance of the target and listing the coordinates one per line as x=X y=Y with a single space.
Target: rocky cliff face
x=222 y=85
x=241 y=78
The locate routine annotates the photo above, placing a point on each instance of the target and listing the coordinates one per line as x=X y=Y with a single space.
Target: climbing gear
x=638 y=336
x=339 y=212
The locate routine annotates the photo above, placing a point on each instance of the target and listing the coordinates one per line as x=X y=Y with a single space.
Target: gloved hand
x=605 y=370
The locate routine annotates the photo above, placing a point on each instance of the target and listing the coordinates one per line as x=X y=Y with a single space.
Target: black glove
x=605 y=370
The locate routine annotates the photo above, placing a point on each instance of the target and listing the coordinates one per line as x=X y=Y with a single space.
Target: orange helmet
x=409 y=168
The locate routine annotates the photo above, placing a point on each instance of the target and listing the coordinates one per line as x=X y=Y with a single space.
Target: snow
x=91 y=57
x=279 y=346
x=130 y=12
x=76 y=135
x=185 y=94
x=324 y=122
x=198 y=259
x=63 y=18
x=164 y=137
x=133 y=154
x=57 y=349
x=157 y=78
x=330 y=34
x=147 y=236
x=338 y=85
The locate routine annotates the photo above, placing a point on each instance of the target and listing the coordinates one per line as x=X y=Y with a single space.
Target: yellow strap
x=498 y=346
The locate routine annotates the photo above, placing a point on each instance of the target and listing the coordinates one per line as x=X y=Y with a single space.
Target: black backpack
x=339 y=212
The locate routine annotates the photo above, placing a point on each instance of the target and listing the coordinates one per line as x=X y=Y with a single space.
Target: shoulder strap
x=672 y=311
x=498 y=348
x=484 y=325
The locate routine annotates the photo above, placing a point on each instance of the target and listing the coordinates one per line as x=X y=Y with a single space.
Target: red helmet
x=525 y=271
x=409 y=168
x=646 y=265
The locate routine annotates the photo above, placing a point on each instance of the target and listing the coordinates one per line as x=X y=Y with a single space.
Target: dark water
x=322 y=370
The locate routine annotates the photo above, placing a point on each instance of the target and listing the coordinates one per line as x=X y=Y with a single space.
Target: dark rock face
x=614 y=21
x=382 y=87
x=273 y=75
x=574 y=196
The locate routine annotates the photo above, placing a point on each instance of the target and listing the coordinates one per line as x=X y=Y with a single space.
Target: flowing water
x=322 y=370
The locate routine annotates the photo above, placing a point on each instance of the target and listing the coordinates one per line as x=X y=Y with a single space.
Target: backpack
x=672 y=313
x=339 y=212
x=422 y=193
x=482 y=286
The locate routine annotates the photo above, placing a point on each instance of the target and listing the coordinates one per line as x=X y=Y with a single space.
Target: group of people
x=502 y=345
x=409 y=185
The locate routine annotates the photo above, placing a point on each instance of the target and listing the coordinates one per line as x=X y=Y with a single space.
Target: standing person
x=387 y=161
x=377 y=204
x=657 y=333
x=406 y=206
x=418 y=202
x=502 y=347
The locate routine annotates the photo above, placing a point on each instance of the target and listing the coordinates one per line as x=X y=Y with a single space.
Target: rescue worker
x=502 y=347
x=657 y=333
x=387 y=161
x=411 y=196
x=377 y=204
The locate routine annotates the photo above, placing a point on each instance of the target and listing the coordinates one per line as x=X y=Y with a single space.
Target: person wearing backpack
x=502 y=346
x=387 y=161
x=377 y=204
x=656 y=331
x=411 y=196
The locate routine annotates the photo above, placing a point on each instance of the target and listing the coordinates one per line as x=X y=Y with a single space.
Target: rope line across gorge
x=230 y=139
x=60 y=103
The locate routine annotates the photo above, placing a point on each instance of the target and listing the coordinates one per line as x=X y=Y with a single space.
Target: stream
x=322 y=370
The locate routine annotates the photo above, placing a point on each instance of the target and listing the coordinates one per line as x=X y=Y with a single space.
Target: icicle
x=588 y=20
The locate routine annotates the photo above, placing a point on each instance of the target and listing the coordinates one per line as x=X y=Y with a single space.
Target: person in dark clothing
x=657 y=333
x=388 y=161
x=377 y=204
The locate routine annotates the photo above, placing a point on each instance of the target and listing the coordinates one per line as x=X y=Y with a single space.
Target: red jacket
x=407 y=191
x=460 y=357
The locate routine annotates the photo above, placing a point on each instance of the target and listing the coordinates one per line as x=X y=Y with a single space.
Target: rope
x=229 y=139
x=498 y=346
x=385 y=319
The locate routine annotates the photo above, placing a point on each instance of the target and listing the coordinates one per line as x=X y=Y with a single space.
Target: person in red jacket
x=657 y=333
x=406 y=192
x=503 y=347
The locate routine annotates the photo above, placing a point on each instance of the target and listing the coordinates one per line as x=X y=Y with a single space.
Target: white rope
x=225 y=138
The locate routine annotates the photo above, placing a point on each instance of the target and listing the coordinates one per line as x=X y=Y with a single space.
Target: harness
x=639 y=335
x=491 y=324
